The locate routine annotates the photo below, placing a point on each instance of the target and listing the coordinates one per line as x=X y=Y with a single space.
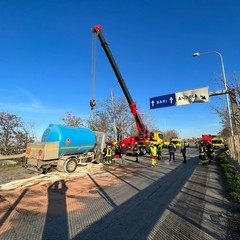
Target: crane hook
x=92 y=103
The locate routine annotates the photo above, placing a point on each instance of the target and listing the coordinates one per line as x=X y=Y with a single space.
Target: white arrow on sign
x=171 y=99
x=192 y=96
x=152 y=102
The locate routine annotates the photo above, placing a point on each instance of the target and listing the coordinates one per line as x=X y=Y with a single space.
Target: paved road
x=171 y=201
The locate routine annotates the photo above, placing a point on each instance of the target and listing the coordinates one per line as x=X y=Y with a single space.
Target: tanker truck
x=63 y=148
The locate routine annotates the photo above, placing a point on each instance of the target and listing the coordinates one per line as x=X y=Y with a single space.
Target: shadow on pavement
x=12 y=208
x=56 y=222
x=135 y=218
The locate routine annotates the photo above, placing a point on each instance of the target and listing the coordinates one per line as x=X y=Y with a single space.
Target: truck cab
x=218 y=142
x=156 y=138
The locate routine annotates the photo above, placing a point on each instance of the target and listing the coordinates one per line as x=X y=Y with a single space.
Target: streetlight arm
x=197 y=54
x=224 y=80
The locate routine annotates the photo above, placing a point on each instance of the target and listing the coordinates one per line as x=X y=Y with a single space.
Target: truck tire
x=42 y=171
x=70 y=165
x=99 y=158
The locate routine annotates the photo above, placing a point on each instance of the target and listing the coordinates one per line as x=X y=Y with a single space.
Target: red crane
x=143 y=132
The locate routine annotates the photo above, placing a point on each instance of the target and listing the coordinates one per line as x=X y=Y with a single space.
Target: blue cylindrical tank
x=72 y=140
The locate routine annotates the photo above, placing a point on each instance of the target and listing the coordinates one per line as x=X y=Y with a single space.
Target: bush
x=231 y=174
x=236 y=196
x=229 y=169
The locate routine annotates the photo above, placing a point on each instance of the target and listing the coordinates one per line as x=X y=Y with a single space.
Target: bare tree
x=9 y=123
x=110 y=116
x=109 y=112
x=116 y=112
x=169 y=134
x=221 y=109
x=73 y=121
x=25 y=134
x=98 y=121
x=14 y=133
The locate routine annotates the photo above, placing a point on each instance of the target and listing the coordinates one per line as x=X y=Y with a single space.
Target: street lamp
x=225 y=83
x=114 y=115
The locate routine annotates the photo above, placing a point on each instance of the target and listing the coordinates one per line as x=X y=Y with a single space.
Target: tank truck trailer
x=63 y=148
x=144 y=137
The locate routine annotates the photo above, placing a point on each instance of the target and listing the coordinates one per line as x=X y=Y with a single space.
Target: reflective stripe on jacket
x=109 y=152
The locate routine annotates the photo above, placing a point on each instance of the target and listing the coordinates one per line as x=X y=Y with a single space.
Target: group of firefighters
x=111 y=149
x=206 y=153
x=109 y=153
x=155 y=151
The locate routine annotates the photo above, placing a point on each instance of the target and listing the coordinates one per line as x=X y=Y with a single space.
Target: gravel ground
x=9 y=174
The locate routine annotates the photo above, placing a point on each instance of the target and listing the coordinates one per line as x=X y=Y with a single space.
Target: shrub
x=229 y=169
x=231 y=174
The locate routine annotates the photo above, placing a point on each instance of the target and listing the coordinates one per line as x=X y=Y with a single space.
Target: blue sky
x=46 y=49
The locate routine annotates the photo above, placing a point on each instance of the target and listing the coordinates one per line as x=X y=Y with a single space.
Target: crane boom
x=142 y=130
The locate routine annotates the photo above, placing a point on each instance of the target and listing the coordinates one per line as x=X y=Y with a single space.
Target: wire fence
x=234 y=148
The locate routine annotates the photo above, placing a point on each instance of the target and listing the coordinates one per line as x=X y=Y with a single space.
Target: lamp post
x=114 y=120
x=114 y=116
x=225 y=83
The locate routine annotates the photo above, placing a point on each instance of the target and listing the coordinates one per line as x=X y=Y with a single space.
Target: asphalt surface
x=171 y=201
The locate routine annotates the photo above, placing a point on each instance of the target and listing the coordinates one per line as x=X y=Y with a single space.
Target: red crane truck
x=144 y=137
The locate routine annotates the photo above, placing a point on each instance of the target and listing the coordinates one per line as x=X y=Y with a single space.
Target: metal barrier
x=11 y=150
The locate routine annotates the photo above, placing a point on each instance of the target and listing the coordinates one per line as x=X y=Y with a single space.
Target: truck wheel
x=42 y=171
x=70 y=165
x=99 y=158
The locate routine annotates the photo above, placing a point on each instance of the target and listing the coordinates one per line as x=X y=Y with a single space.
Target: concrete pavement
x=172 y=201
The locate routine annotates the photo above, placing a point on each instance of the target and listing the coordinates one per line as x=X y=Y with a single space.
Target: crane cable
x=93 y=73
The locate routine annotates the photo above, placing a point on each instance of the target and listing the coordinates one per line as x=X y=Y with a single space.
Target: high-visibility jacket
x=183 y=148
x=136 y=150
x=109 y=152
x=153 y=151
x=113 y=150
x=202 y=149
x=159 y=148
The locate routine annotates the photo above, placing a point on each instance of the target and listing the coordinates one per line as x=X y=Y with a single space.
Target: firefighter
x=136 y=151
x=153 y=152
x=104 y=152
x=159 y=151
x=203 y=153
x=210 y=153
x=172 y=148
x=108 y=159
x=183 y=151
